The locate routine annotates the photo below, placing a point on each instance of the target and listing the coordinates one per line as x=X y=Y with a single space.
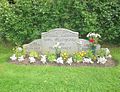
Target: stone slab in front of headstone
x=67 y=39
x=83 y=45
x=35 y=45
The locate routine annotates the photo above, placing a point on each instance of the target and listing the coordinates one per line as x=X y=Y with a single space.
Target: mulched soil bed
x=109 y=63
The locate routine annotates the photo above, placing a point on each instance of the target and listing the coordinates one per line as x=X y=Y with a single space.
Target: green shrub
x=24 y=21
x=34 y=54
x=101 y=53
x=19 y=51
x=51 y=57
x=77 y=57
x=89 y=54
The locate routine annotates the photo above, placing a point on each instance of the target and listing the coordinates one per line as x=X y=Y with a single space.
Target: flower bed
x=100 y=57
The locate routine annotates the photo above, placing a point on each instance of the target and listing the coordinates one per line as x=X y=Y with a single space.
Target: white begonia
x=98 y=35
x=93 y=35
x=21 y=58
x=19 y=49
x=59 y=60
x=69 y=61
x=13 y=57
x=43 y=59
x=101 y=60
x=32 y=59
x=87 y=60
x=88 y=35
x=59 y=47
x=109 y=56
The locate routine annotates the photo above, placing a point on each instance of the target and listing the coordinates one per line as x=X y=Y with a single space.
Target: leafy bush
x=34 y=54
x=26 y=19
x=19 y=51
x=89 y=54
x=77 y=57
x=101 y=53
x=51 y=57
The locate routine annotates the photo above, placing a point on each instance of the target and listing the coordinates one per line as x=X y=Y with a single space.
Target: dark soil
x=109 y=63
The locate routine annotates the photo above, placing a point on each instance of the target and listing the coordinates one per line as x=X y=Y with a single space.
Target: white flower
x=88 y=35
x=32 y=59
x=13 y=57
x=93 y=35
x=87 y=60
x=107 y=51
x=19 y=49
x=20 y=59
x=101 y=60
x=109 y=56
x=69 y=61
x=59 y=47
x=56 y=45
x=59 y=60
x=43 y=59
x=98 y=35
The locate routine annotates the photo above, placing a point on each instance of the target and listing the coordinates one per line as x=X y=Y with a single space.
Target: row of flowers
x=78 y=57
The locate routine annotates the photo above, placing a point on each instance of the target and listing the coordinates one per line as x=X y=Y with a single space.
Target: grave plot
x=63 y=47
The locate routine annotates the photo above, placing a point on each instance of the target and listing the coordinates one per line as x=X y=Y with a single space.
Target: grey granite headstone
x=69 y=41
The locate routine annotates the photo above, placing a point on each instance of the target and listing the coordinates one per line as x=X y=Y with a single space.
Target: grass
x=31 y=78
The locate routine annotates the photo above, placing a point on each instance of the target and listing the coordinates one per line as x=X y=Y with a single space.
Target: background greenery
x=26 y=19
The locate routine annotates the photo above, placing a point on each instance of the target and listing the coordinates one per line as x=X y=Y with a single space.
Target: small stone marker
x=69 y=41
x=83 y=45
x=35 y=45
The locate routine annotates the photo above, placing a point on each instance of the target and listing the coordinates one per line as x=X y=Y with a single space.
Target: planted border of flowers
x=90 y=56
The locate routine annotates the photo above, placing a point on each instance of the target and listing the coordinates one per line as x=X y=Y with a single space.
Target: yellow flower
x=64 y=53
x=82 y=55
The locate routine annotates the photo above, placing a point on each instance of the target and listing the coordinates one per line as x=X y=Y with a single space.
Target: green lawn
x=31 y=78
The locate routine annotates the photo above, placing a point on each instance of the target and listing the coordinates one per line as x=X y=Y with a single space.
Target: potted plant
x=93 y=39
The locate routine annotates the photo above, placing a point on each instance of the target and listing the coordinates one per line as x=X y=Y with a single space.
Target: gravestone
x=69 y=41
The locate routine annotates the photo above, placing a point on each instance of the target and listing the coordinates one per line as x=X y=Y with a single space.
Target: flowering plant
x=34 y=54
x=19 y=51
x=78 y=56
x=51 y=57
x=64 y=55
x=57 y=48
x=93 y=39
